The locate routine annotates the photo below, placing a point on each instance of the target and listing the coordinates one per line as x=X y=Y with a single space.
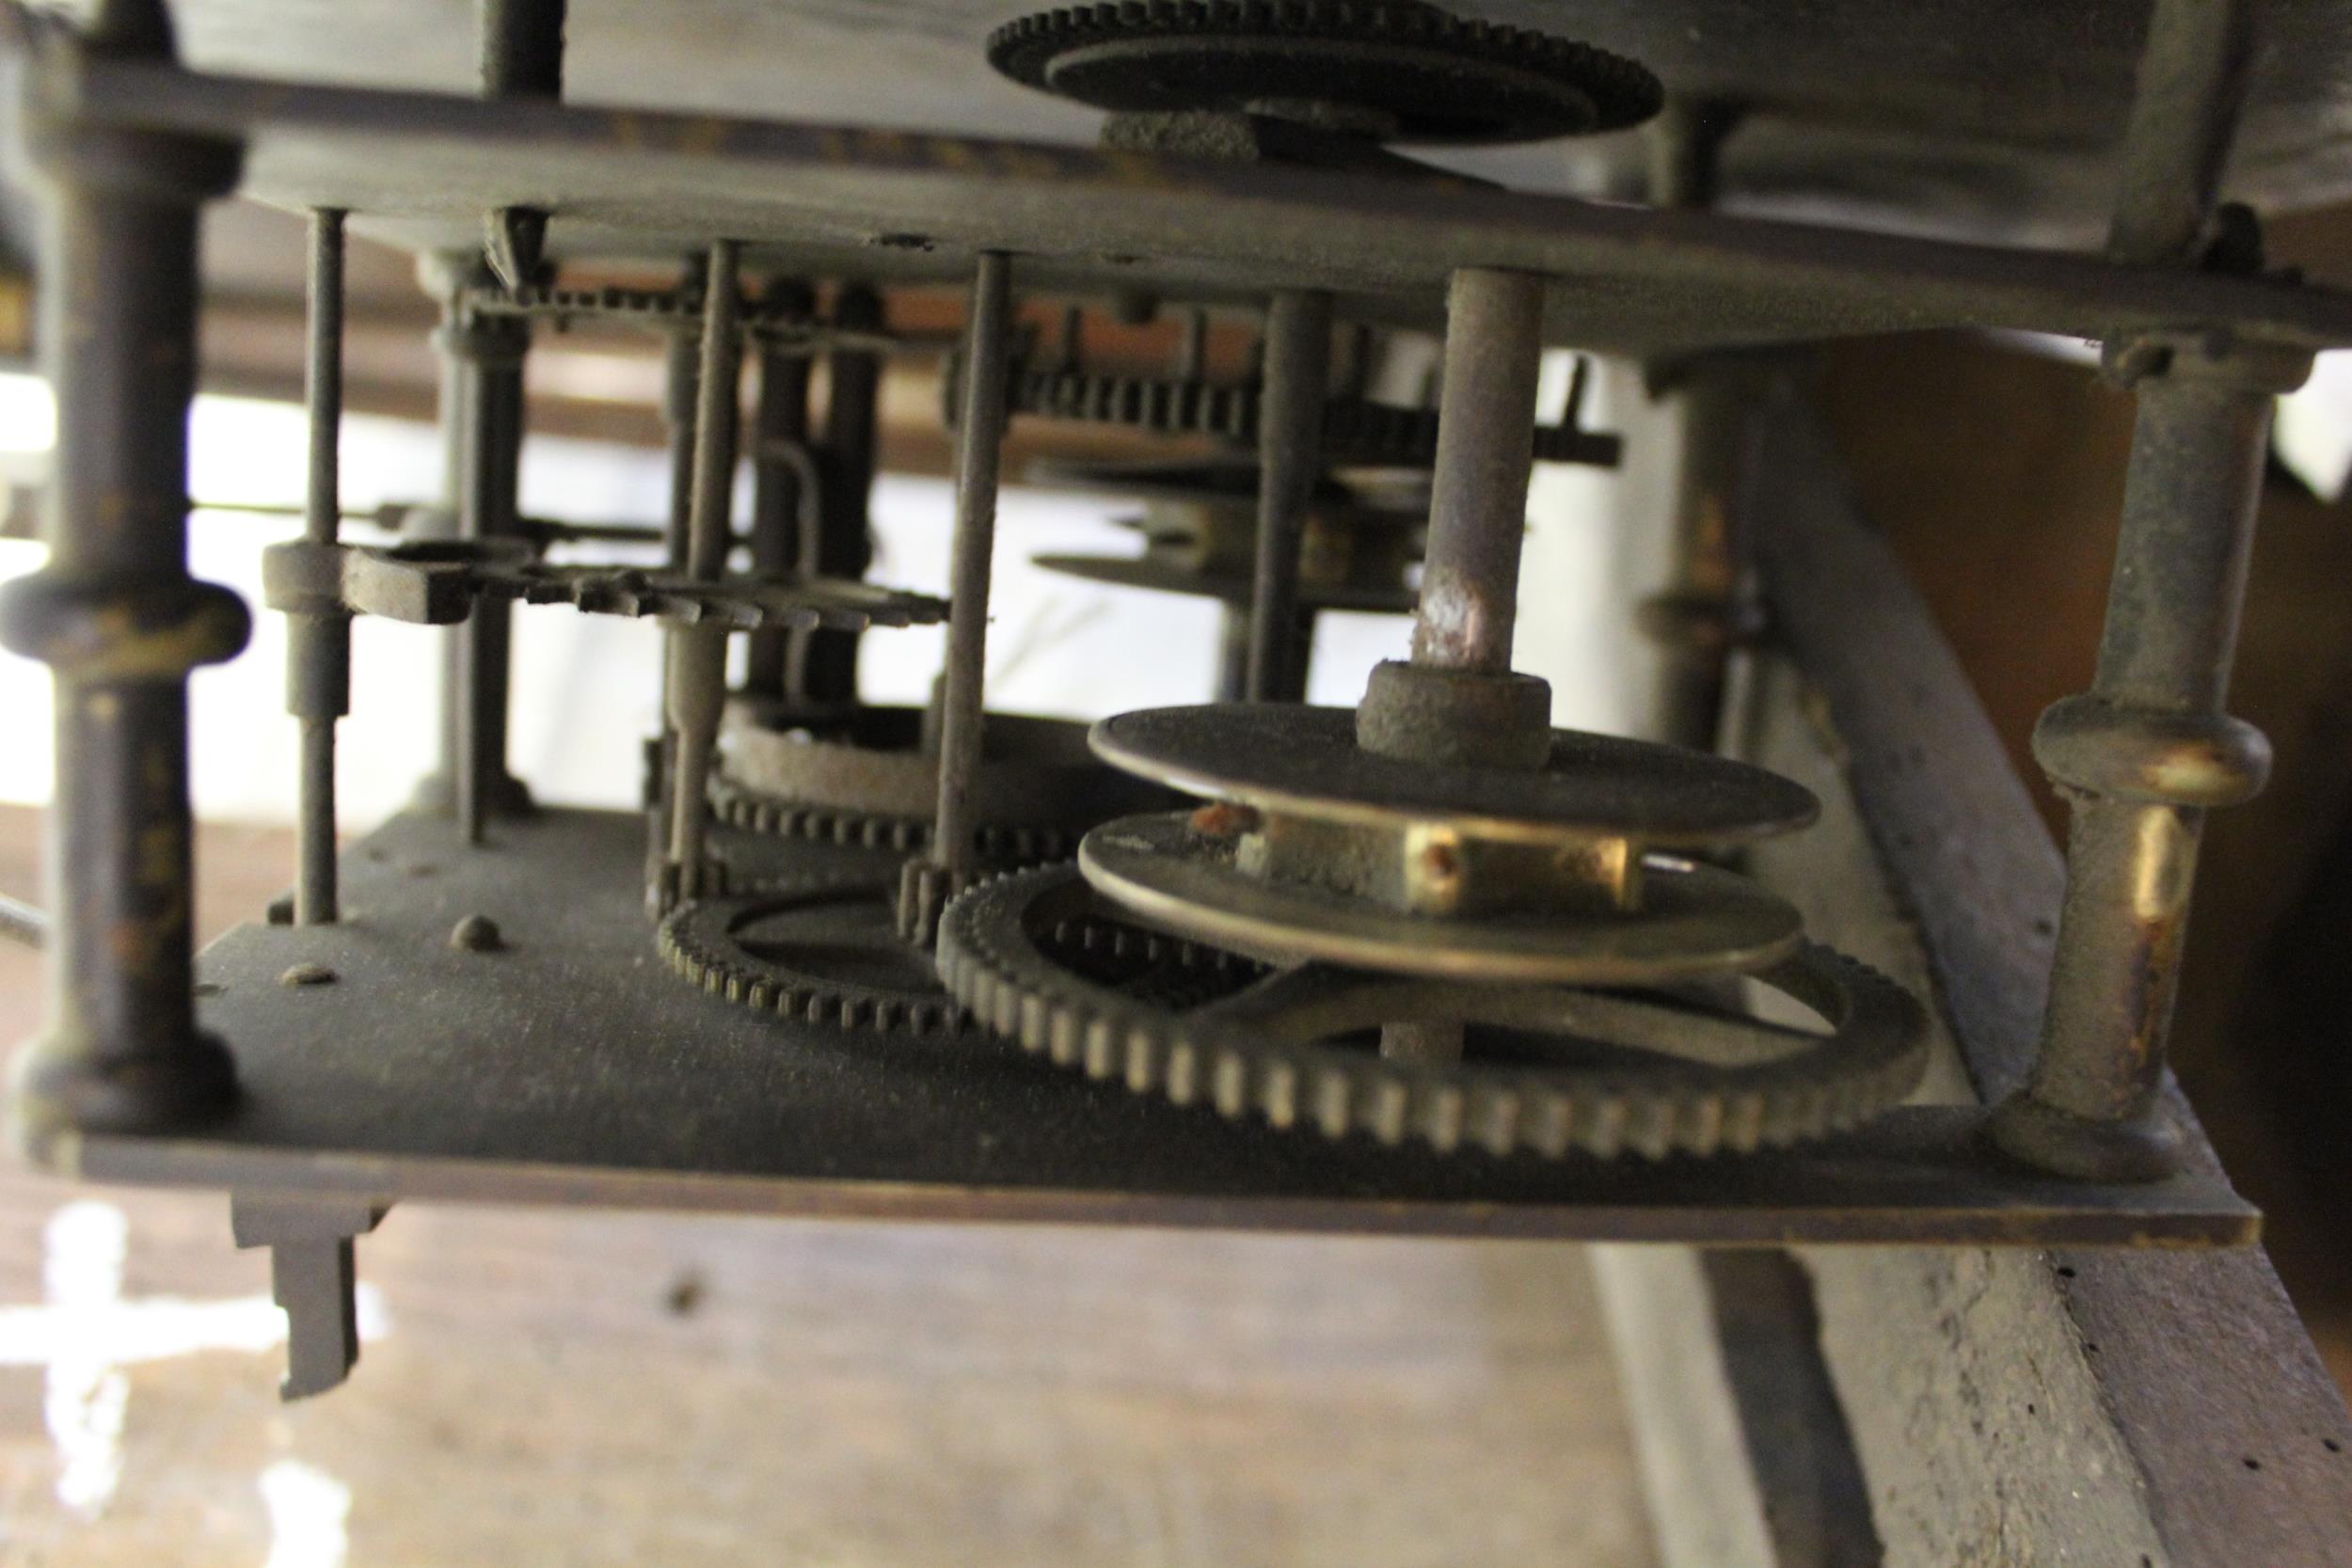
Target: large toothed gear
x=1039 y=956
x=750 y=811
x=1396 y=70
x=1356 y=430
x=865 y=777
x=821 y=950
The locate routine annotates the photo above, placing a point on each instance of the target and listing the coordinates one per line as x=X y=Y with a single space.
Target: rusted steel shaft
x=1458 y=702
x=2141 y=756
x=932 y=879
x=780 y=427
x=318 y=647
x=1708 y=606
x=822 y=663
x=488 y=355
x=119 y=622
x=2193 y=74
x=521 y=48
x=681 y=394
x=1290 y=459
x=1486 y=451
x=698 y=655
x=979 y=447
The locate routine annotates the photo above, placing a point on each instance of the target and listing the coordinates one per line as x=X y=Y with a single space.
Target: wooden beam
x=2136 y=1407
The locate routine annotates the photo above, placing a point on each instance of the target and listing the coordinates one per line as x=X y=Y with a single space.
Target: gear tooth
x=1100 y=1058
x=1743 y=1126
x=1228 y=1083
x=1551 y=1131
x=1496 y=1118
x=1066 y=1043
x=1144 y=1052
x=1278 y=1092
x=1180 y=1074
x=1701 y=1131
x=1604 y=1129
x=1334 y=1092
x=1036 y=1022
x=1651 y=1128
x=1388 y=1114
x=977 y=990
x=1442 y=1116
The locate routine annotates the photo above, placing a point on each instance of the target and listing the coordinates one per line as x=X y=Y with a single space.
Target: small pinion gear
x=1038 y=957
x=1396 y=70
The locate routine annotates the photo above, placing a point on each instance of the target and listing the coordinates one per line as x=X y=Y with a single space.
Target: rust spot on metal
x=1224 y=819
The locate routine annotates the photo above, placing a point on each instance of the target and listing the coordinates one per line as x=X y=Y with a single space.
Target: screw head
x=477 y=933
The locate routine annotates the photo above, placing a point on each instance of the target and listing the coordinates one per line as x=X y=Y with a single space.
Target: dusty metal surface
x=568 y=1068
x=947 y=861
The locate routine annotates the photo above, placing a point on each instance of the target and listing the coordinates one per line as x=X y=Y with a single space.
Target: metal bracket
x=438 y=582
x=312 y=1275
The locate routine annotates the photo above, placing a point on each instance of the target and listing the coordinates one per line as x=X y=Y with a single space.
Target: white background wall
x=585 y=686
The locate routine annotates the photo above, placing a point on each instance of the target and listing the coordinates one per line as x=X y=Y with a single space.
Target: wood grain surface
x=588 y=1388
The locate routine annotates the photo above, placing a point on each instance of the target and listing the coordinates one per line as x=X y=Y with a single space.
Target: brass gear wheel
x=1400 y=70
x=860 y=777
x=824 y=950
x=749 y=811
x=1040 y=956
